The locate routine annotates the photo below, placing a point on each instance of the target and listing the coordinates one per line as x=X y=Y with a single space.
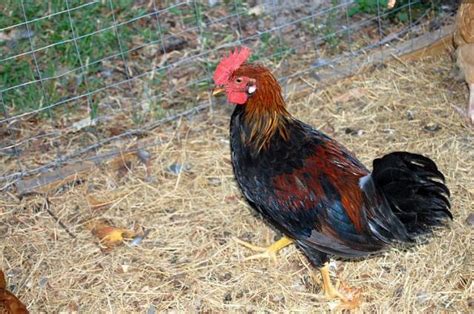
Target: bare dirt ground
x=192 y=210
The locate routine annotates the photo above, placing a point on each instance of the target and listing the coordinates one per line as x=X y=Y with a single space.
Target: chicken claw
x=331 y=292
x=267 y=252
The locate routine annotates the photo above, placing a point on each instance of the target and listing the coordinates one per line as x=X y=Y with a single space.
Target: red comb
x=230 y=64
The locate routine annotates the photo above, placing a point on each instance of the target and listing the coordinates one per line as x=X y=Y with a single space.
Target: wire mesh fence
x=75 y=75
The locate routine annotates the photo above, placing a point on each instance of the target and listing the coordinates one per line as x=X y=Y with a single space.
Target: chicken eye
x=238 y=80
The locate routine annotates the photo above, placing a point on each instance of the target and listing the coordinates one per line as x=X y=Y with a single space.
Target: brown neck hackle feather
x=265 y=111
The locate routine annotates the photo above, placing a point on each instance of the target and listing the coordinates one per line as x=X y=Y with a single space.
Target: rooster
x=311 y=188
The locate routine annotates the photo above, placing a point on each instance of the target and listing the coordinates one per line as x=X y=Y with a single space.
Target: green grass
x=368 y=6
x=400 y=13
x=62 y=52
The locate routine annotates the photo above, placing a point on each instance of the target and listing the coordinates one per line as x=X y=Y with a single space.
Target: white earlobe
x=252 y=89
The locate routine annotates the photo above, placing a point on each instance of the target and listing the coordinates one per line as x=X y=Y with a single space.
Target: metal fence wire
x=75 y=75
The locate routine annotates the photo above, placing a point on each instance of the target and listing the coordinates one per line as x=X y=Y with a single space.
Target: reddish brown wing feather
x=344 y=173
x=303 y=188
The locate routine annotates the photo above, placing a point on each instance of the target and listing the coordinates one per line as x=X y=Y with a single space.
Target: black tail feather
x=415 y=190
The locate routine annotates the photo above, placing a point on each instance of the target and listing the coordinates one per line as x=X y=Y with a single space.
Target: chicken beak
x=218 y=91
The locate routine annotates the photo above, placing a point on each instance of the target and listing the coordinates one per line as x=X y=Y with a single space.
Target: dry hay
x=189 y=262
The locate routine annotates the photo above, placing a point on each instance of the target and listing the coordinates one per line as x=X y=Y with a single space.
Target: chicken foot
x=267 y=252
x=328 y=288
x=331 y=292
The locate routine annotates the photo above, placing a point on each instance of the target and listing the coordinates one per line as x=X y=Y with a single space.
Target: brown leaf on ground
x=9 y=303
x=108 y=235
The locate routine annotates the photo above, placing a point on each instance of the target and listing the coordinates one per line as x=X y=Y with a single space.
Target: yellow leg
x=329 y=290
x=348 y=303
x=267 y=252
